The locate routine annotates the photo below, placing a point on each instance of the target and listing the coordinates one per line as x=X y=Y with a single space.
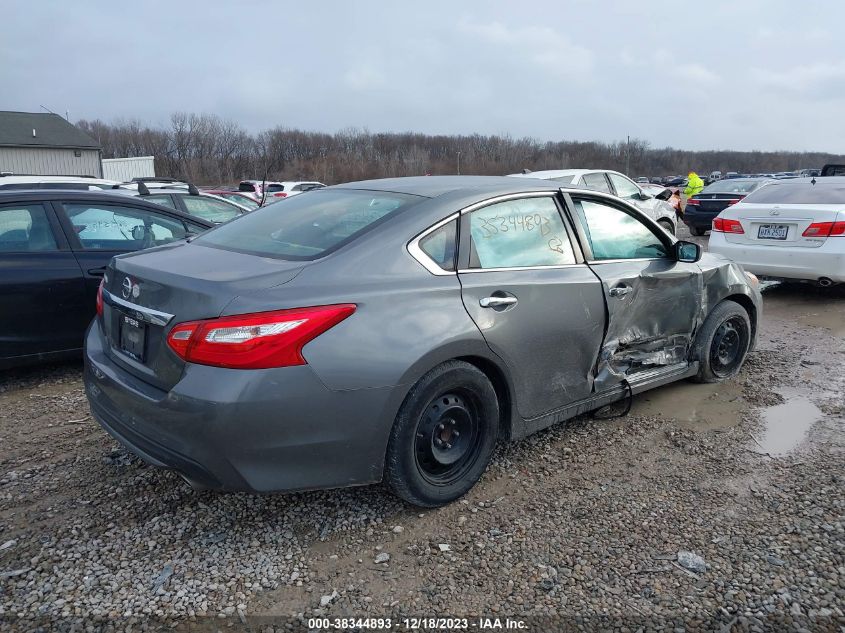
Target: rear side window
x=596 y=182
x=163 y=200
x=439 y=245
x=308 y=227
x=519 y=233
x=25 y=228
x=799 y=193
x=113 y=227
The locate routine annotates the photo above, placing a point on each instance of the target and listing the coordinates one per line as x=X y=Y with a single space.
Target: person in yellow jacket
x=694 y=184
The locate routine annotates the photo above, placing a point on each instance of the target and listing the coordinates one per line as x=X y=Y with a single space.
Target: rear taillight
x=724 y=225
x=734 y=201
x=825 y=229
x=281 y=194
x=255 y=341
x=693 y=202
x=100 y=297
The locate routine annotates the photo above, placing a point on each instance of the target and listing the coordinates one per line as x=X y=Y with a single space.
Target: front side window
x=25 y=228
x=112 y=227
x=624 y=187
x=216 y=211
x=518 y=233
x=596 y=182
x=614 y=234
x=310 y=226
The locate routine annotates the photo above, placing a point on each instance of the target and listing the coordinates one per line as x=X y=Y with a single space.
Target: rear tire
x=698 y=232
x=667 y=226
x=444 y=435
x=722 y=343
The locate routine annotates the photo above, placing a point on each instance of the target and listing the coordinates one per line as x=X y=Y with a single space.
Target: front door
x=41 y=286
x=539 y=307
x=653 y=301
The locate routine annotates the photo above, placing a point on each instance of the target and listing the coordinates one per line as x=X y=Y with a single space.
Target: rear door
x=537 y=304
x=41 y=287
x=653 y=301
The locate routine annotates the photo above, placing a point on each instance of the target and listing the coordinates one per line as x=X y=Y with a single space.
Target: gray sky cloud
x=754 y=74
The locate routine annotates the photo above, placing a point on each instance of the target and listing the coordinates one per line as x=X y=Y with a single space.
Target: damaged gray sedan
x=398 y=329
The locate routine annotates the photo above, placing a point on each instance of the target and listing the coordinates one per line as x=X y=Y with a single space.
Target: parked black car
x=713 y=199
x=54 y=248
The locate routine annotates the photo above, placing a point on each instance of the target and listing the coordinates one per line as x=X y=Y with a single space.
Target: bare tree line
x=209 y=150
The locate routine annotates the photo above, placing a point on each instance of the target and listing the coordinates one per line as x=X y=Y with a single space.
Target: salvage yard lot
x=586 y=518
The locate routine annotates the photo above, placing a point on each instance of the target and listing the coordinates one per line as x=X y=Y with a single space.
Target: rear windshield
x=799 y=193
x=308 y=227
x=732 y=186
x=246 y=186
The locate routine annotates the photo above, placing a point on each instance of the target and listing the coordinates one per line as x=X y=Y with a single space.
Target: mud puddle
x=810 y=306
x=786 y=425
x=694 y=406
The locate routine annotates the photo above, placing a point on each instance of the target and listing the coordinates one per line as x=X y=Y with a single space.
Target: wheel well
x=749 y=307
x=500 y=384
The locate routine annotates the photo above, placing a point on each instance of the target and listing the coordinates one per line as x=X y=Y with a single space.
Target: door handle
x=619 y=291
x=97 y=272
x=496 y=302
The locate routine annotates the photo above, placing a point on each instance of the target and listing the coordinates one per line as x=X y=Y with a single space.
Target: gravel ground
x=589 y=522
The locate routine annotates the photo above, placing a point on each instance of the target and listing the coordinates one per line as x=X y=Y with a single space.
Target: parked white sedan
x=788 y=229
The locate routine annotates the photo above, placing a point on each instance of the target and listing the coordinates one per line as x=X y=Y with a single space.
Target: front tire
x=722 y=343
x=444 y=435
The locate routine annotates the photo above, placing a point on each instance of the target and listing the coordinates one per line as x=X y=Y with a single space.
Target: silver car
x=398 y=329
x=655 y=206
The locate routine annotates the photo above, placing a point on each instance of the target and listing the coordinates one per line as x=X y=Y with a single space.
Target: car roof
x=43 y=195
x=434 y=186
x=555 y=173
x=13 y=179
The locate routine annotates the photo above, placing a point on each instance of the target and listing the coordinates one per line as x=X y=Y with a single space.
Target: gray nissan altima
x=398 y=329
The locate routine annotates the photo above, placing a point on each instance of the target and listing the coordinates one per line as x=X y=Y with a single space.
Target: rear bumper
x=259 y=431
x=828 y=260
x=695 y=218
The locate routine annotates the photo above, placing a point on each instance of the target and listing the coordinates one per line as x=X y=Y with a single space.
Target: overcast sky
x=745 y=74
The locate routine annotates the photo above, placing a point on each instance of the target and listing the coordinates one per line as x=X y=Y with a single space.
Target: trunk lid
x=151 y=291
x=778 y=225
x=716 y=202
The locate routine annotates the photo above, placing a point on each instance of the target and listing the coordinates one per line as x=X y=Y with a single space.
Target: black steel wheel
x=447 y=438
x=727 y=351
x=443 y=436
x=723 y=342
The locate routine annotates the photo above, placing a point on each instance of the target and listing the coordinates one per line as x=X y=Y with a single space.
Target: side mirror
x=642 y=195
x=687 y=252
x=664 y=195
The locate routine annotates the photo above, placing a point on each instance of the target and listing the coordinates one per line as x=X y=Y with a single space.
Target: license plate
x=133 y=336
x=772 y=232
